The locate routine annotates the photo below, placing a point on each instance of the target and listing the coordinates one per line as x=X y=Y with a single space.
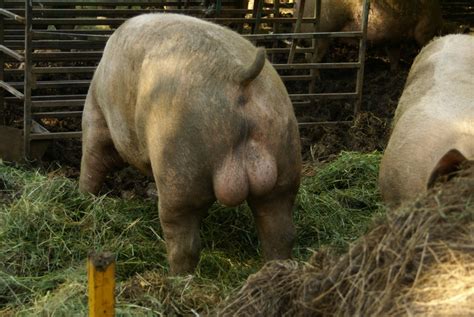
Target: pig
x=390 y=22
x=433 y=126
x=200 y=109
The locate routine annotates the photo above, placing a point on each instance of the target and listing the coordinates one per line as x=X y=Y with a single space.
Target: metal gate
x=49 y=50
x=460 y=11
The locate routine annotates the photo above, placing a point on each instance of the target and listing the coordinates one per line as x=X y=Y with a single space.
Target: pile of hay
x=418 y=259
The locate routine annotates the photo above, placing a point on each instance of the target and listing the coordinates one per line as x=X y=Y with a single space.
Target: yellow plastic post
x=101 y=280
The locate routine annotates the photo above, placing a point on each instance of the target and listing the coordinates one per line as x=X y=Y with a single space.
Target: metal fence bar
x=255 y=20
x=63 y=13
x=258 y=6
x=67 y=70
x=314 y=72
x=68 y=35
x=360 y=64
x=331 y=95
x=286 y=50
x=28 y=81
x=53 y=84
x=57 y=114
x=11 y=15
x=11 y=90
x=218 y=8
x=107 y=2
x=55 y=135
x=285 y=36
x=276 y=14
x=11 y=53
x=295 y=77
x=2 y=72
x=321 y=123
x=362 y=47
x=59 y=97
x=297 y=29
x=58 y=103
x=252 y=37
x=118 y=21
x=318 y=65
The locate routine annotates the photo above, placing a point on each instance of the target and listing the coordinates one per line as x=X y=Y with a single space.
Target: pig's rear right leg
x=99 y=155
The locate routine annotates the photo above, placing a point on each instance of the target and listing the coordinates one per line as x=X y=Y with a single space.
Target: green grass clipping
x=47 y=228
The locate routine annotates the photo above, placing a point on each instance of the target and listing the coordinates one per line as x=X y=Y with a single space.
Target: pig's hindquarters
x=192 y=171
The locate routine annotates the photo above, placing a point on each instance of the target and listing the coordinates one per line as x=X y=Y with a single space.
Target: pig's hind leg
x=273 y=217
x=99 y=155
x=184 y=198
x=181 y=223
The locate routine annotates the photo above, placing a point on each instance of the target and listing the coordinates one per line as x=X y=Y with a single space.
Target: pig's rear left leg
x=273 y=217
x=181 y=223
x=99 y=155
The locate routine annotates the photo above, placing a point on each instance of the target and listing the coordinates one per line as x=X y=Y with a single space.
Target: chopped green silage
x=47 y=228
x=337 y=203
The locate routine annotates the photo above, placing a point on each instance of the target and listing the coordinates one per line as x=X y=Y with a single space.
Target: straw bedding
x=416 y=260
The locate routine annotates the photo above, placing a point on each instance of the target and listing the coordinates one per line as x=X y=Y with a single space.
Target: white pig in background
x=433 y=128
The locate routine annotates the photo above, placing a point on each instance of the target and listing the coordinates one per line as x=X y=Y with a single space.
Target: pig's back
x=441 y=80
x=159 y=35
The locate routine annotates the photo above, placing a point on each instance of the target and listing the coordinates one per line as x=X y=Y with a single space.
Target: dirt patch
x=63 y=159
x=418 y=260
x=366 y=134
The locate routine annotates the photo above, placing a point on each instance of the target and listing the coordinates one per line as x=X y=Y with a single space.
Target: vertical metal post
x=314 y=72
x=257 y=9
x=218 y=8
x=276 y=14
x=2 y=65
x=294 y=42
x=362 y=47
x=28 y=81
